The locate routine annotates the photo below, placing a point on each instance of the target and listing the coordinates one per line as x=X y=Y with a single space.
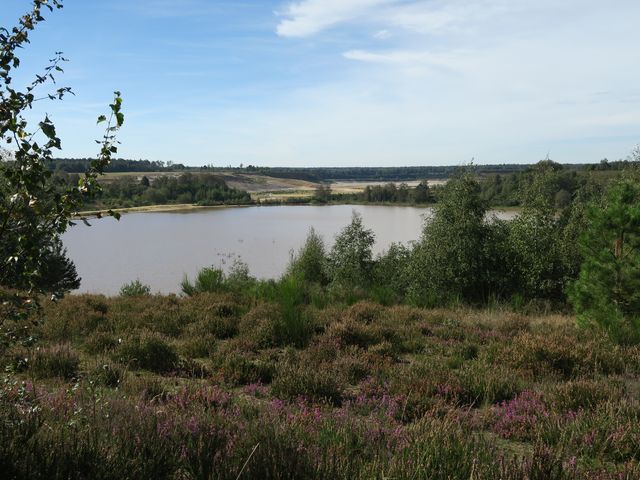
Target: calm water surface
x=159 y=248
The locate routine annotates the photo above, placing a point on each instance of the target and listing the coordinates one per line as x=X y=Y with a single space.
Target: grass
x=172 y=387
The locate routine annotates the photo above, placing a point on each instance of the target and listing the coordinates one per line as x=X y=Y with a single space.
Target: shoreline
x=187 y=207
x=165 y=208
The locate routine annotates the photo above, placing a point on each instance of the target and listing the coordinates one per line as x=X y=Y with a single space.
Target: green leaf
x=48 y=129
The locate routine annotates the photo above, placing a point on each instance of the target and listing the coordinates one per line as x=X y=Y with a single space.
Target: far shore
x=187 y=207
x=179 y=207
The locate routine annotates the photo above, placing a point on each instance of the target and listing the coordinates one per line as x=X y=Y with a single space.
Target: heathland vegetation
x=487 y=349
x=455 y=358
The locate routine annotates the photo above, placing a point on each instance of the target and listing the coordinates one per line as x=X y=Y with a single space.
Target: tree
x=310 y=264
x=448 y=263
x=607 y=292
x=536 y=235
x=350 y=260
x=34 y=210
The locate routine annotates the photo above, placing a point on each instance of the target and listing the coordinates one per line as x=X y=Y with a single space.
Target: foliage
x=535 y=238
x=198 y=188
x=135 y=289
x=33 y=211
x=449 y=261
x=310 y=264
x=350 y=260
x=607 y=292
x=212 y=279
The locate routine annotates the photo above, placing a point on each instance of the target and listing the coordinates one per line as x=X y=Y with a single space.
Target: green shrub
x=208 y=279
x=135 y=289
x=310 y=264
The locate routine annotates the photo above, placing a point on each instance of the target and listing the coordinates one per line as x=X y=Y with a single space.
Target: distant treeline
x=117 y=165
x=373 y=174
x=327 y=174
x=200 y=189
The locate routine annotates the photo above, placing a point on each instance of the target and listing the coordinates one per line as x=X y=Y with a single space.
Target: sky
x=346 y=82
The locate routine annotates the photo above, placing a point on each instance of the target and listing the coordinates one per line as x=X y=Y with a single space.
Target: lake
x=159 y=248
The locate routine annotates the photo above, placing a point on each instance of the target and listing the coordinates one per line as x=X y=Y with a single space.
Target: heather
x=211 y=386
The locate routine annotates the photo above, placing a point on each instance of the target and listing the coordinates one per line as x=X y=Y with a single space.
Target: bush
x=135 y=289
x=208 y=279
x=310 y=264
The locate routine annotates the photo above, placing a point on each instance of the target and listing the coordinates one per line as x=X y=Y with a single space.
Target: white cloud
x=308 y=17
x=409 y=58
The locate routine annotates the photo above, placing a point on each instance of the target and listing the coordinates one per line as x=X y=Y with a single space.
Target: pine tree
x=607 y=292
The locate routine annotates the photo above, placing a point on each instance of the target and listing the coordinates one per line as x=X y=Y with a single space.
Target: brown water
x=159 y=248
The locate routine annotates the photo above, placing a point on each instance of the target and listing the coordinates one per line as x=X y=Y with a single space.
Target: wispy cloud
x=410 y=57
x=308 y=17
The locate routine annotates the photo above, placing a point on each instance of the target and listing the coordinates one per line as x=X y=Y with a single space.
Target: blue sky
x=347 y=82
